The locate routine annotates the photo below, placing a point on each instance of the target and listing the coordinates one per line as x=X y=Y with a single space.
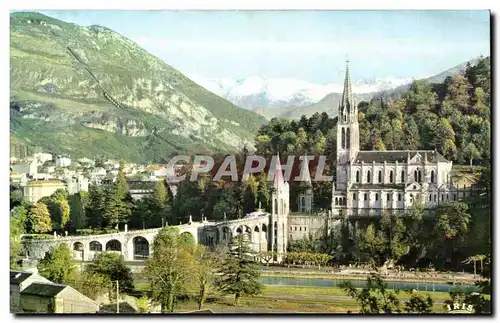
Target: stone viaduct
x=136 y=244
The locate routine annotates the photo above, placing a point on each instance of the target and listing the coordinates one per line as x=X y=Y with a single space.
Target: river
x=402 y=285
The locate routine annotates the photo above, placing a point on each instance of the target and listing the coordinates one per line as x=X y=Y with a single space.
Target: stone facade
x=372 y=181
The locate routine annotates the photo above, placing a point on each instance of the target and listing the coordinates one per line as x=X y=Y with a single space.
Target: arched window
x=388 y=197
x=399 y=197
x=402 y=176
x=368 y=175
x=391 y=177
x=354 y=196
x=357 y=176
x=336 y=201
x=454 y=197
x=344 y=201
x=415 y=175
x=419 y=176
x=430 y=197
x=343 y=138
x=348 y=137
x=376 y=196
x=275 y=206
x=303 y=201
x=365 y=197
x=432 y=176
x=380 y=176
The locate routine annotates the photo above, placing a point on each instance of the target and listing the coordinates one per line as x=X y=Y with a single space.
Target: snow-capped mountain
x=256 y=92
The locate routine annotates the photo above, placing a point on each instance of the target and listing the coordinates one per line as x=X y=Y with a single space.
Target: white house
x=63 y=161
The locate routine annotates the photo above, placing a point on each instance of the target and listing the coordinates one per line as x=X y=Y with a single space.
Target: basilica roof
x=401 y=156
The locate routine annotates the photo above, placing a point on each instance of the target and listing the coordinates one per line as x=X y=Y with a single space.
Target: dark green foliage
x=16 y=196
x=58 y=265
x=112 y=266
x=240 y=271
x=78 y=203
x=38 y=219
x=170 y=266
x=18 y=218
x=58 y=207
x=376 y=298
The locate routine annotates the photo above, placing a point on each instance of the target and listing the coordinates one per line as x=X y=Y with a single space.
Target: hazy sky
x=307 y=45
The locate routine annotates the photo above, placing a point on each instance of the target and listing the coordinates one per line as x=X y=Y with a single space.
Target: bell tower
x=279 y=212
x=347 y=133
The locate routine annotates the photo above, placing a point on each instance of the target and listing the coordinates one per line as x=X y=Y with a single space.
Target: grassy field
x=293 y=299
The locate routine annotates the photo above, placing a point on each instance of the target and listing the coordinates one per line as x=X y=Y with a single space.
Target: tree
x=58 y=207
x=376 y=298
x=142 y=304
x=16 y=196
x=371 y=244
x=18 y=217
x=113 y=268
x=115 y=210
x=38 y=219
x=121 y=185
x=94 y=209
x=263 y=192
x=240 y=271
x=91 y=284
x=204 y=273
x=78 y=203
x=58 y=265
x=418 y=304
x=169 y=267
x=471 y=152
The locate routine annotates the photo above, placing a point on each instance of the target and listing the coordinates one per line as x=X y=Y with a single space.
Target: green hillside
x=89 y=91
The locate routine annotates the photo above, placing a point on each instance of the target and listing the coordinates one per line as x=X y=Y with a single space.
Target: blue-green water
x=402 y=285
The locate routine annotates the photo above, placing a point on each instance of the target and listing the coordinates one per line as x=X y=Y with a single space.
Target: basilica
x=370 y=181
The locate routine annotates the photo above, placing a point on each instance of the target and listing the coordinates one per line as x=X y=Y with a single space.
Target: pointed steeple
x=278 y=175
x=347 y=99
x=305 y=176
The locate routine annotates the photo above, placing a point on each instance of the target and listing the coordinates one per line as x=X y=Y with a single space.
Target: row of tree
x=452 y=117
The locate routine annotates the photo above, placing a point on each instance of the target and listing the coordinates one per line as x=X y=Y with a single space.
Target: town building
x=29 y=167
x=77 y=184
x=37 y=189
x=62 y=161
x=42 y=157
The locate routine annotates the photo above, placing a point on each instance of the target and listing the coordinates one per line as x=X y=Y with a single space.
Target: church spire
x=278 y=175
x=347 y=99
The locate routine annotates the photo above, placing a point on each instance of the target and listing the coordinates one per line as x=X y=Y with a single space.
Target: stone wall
x=300 y=226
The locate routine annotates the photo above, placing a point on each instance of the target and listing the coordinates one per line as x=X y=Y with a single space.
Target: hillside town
x=42 y=174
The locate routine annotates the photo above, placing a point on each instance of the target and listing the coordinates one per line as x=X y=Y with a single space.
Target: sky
x=306 y=45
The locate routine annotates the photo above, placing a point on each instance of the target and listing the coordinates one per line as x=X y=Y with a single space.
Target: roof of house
x=43 y=289
x=125 y=307
x=401 y=156
x=17 y=277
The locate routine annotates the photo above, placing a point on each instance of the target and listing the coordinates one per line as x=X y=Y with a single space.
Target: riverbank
x=362 y=276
